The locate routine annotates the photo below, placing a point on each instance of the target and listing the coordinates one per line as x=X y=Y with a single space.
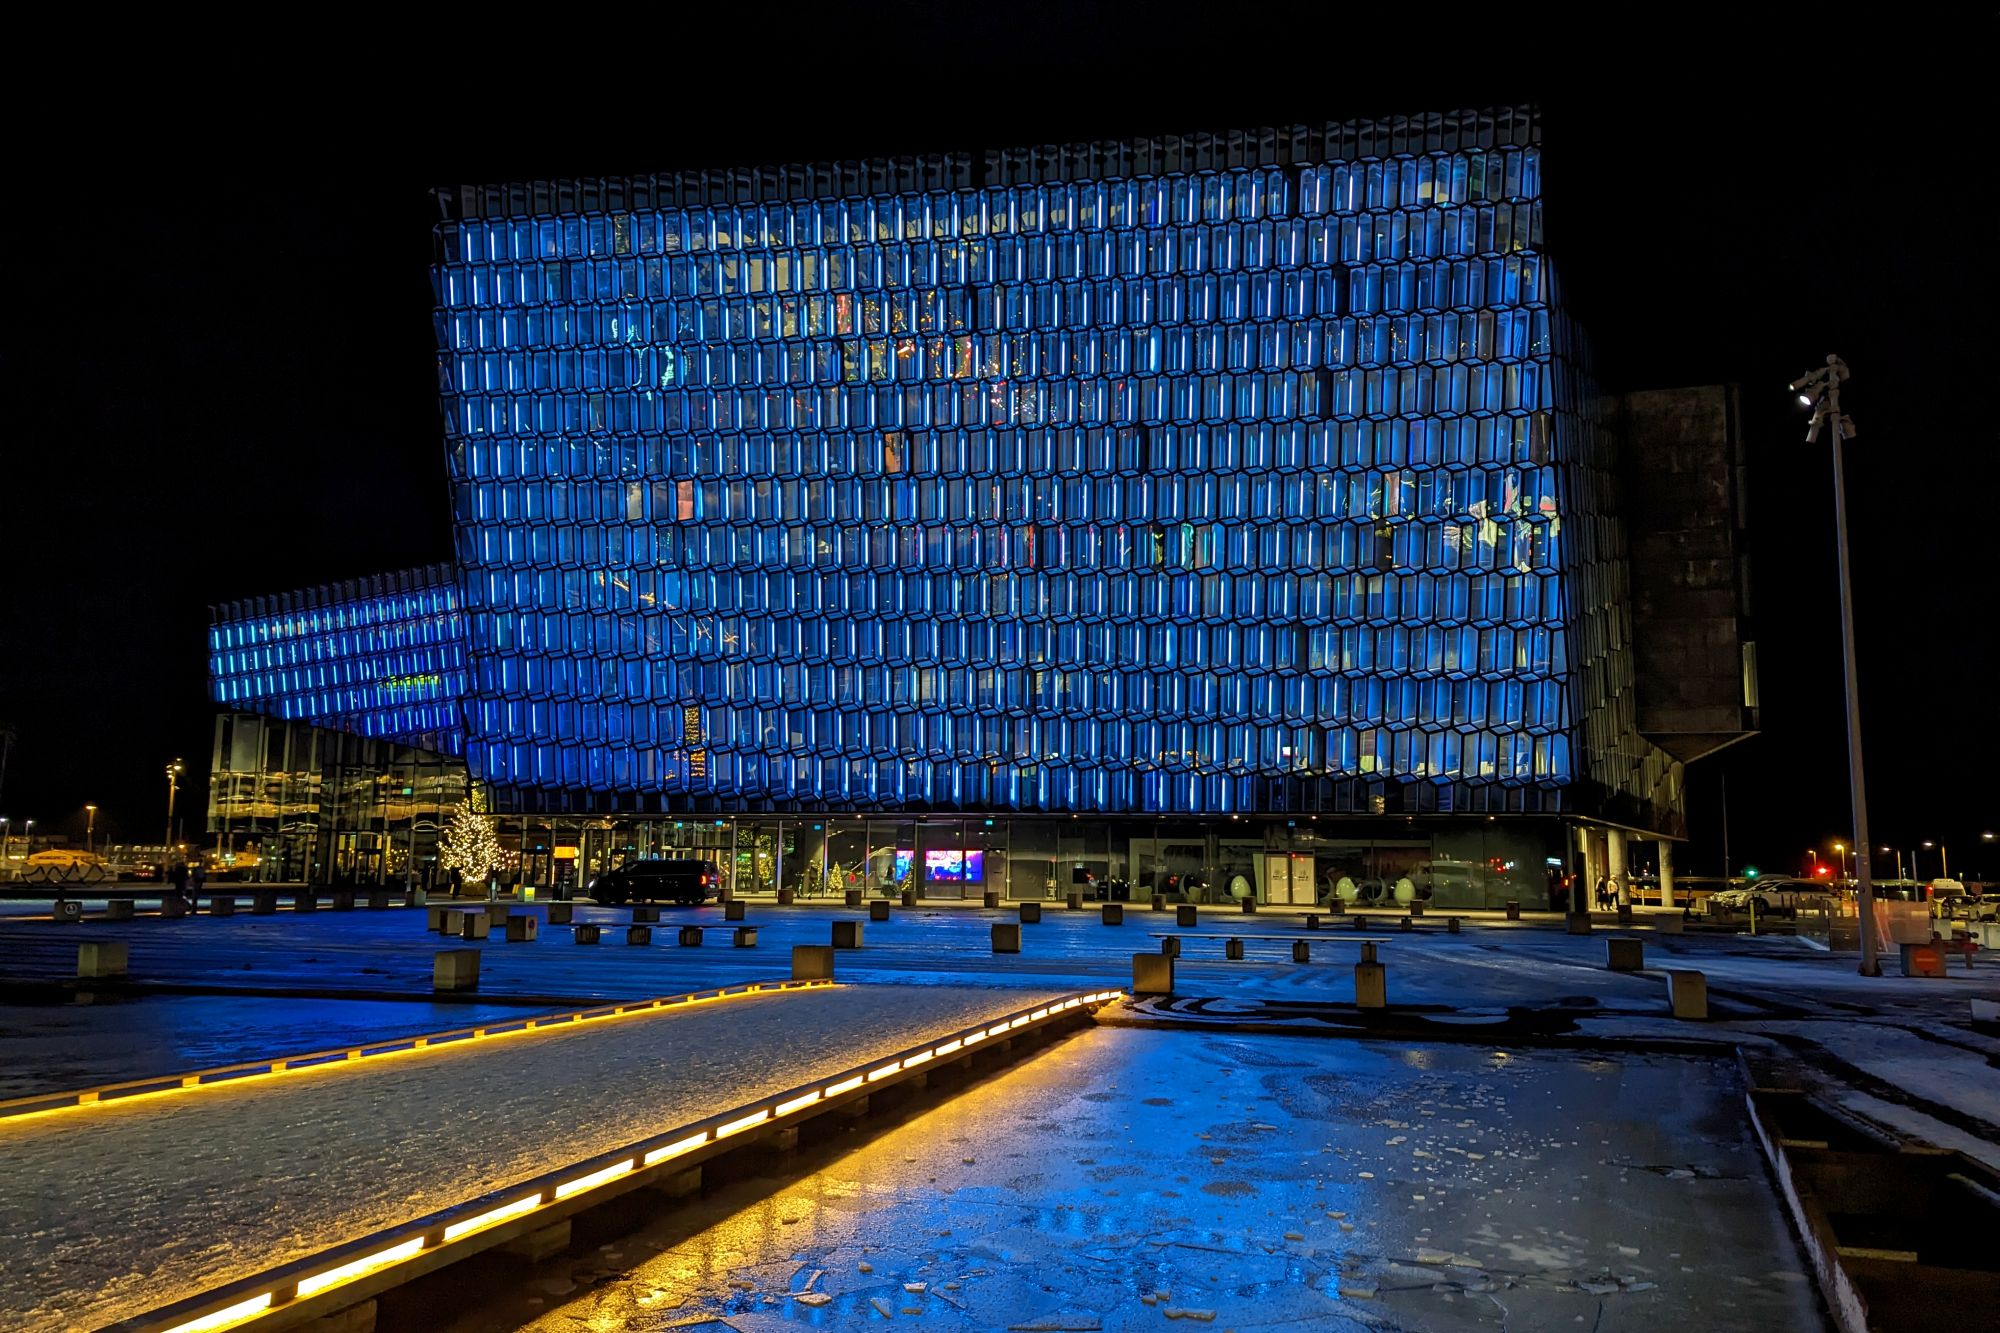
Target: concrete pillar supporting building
x=1614 y=866
x=1666 y=873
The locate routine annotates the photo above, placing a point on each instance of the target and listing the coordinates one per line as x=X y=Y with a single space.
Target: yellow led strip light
x=393 y=1251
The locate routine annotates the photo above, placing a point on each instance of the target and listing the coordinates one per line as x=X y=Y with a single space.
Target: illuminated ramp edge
x=326 y=1282
x=130 y=1205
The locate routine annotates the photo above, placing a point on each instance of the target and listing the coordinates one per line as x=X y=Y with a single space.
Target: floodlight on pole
x=1820 y=390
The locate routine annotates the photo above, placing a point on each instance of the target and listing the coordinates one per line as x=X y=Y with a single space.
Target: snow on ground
x=1140 y=1179
x=115 y=1210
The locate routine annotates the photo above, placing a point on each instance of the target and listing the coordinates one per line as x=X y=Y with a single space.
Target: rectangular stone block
x=1416 y=907
x=416 y=897
x=1312 y=921
x=1073 y=902
x=990 y=899
x=743 y=937
x=733 y=910
x=1186 y=915
x=847 y=934
x=171 y=908
x=497 y=913
x=378 y=901
x=909 y=897
x=1625 y=915
x=1371 y=986
x=1670 y=923
x=1249 y=905
x=1006 y=937
x=1159 y=902
x=474 y=925
x=1451 y=925
x=222 y=906
x=1579 y=923
x=851 y=897
x=586 y=933
x=343 y=900
x=264 y=902
x=305 y=901
x=101 y=958
x=879 y=910
x=1152 y=974
x=645 y=914
x=785 y=897
x=118 y=909
x=812 y=962
x=1624 y=953
x=1688 y=992
x=638 y=934
x=1301 y=952
x=562 y=914
x=1233 y=950
x=1513 y=910
x=523 y=927
x=434 y=917
x=1031 y=913
x=690 y=937
x=1112 y=914
x=1170 y=947
x=455 y=969
x=66 y=911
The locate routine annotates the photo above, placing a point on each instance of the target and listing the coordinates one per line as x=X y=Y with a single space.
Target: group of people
x=187 y=880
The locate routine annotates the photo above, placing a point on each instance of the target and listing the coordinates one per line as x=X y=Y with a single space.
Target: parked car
x=1782 y=896
x=685 y=881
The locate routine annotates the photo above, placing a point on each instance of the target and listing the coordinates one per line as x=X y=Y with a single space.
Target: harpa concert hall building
x=1228 y=513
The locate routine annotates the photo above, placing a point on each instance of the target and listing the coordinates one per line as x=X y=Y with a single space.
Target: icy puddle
x=1134 y=1179
x=113 y=1210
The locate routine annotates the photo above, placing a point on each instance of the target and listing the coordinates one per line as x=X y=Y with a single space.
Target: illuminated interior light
x=916 y=1060
x=786 y=1108
x=490 y=1217
x=333 y=1277
x=594 y=1179
x=884 y=1071
x=845 y=1085
x=686 y=1145
x=738 y=1126
x=225 y=1317
x=949 y=1047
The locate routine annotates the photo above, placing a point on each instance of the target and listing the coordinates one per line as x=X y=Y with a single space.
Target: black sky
x=220 y=363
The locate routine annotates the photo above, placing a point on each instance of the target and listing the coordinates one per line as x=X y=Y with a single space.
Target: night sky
x=220 y=363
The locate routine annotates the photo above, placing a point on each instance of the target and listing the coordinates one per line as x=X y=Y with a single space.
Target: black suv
x=682 y=881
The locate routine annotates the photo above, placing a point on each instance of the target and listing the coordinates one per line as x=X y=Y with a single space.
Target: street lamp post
x=1944 y=859
x=90 y=831
x=174 y=771
x=1820 y=390
x=28 y=832
x=1840 y=848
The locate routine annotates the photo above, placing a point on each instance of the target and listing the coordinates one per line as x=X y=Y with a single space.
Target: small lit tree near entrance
x=469 y=846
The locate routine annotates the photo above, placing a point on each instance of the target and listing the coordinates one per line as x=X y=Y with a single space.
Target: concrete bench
x=587 y=933
x=690 y=937
x=118 y=909
x=455 y=970
x=343 y=900
x=879 y=910
x=812 y=962
x=744 y=937
x=1112 y=914
x=264 y=902
x=222 y=905
x=1152 y=974
x=66 y=910
x=523 y=927
x=638 y=934
x=562 y=914
x=645 y=914
x=99 y=960
x=1031 y=914
x=847 y=934
x=733 y=910
x=1625 y=953
x=1007 y=937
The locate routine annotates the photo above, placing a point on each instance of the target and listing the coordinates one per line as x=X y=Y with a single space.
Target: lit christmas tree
x=468 y=846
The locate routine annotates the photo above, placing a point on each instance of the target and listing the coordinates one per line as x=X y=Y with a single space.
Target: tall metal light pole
x=1820 y=390
x=90 y=830
x=174 y=771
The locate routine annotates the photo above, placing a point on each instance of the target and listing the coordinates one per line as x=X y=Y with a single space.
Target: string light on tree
x=468 y=845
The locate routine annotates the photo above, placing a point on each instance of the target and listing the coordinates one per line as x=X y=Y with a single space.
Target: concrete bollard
x=1688 y=993
x=744 y=937
x=474 y=925
x=637 y=935
x=171 y=908
x=1233 y=950
x=378 y=902
x=1579 y=923
x=1152 y=974
x=909 y=897
x=733 y=910
x=879 y=910
x=852 y=897
x=645 y=914
x=1112 y=914
x=587 y=934
x=101 y=959
x=1006 y=937
x=1371 y=986
x=1031 y=913
x=305 y=901
x=1301 y=952
x=690 y=937
x=1249 y=906
x=1625 y=914
x=265 y=902
x=1171 y=947
x=222 y=906
x=343 y=900
x=847 y=934
x=497 y=914
x=990 y=899
x=416 y=897
x=434 y=918
x=1073 y=902
x=785 y=897
x=1186 y=916
x=1625 y=953
x=812 y=962
x=455 y=969
x=67 y=911
x=1407 y=923
x=1416 y=907
x=1669 y=924
x=118 y=909
x=562 y=914
x=1159 y=902
x=523 y=927
x=1513 y=910
x=1451 y=925
x=1312 y=921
